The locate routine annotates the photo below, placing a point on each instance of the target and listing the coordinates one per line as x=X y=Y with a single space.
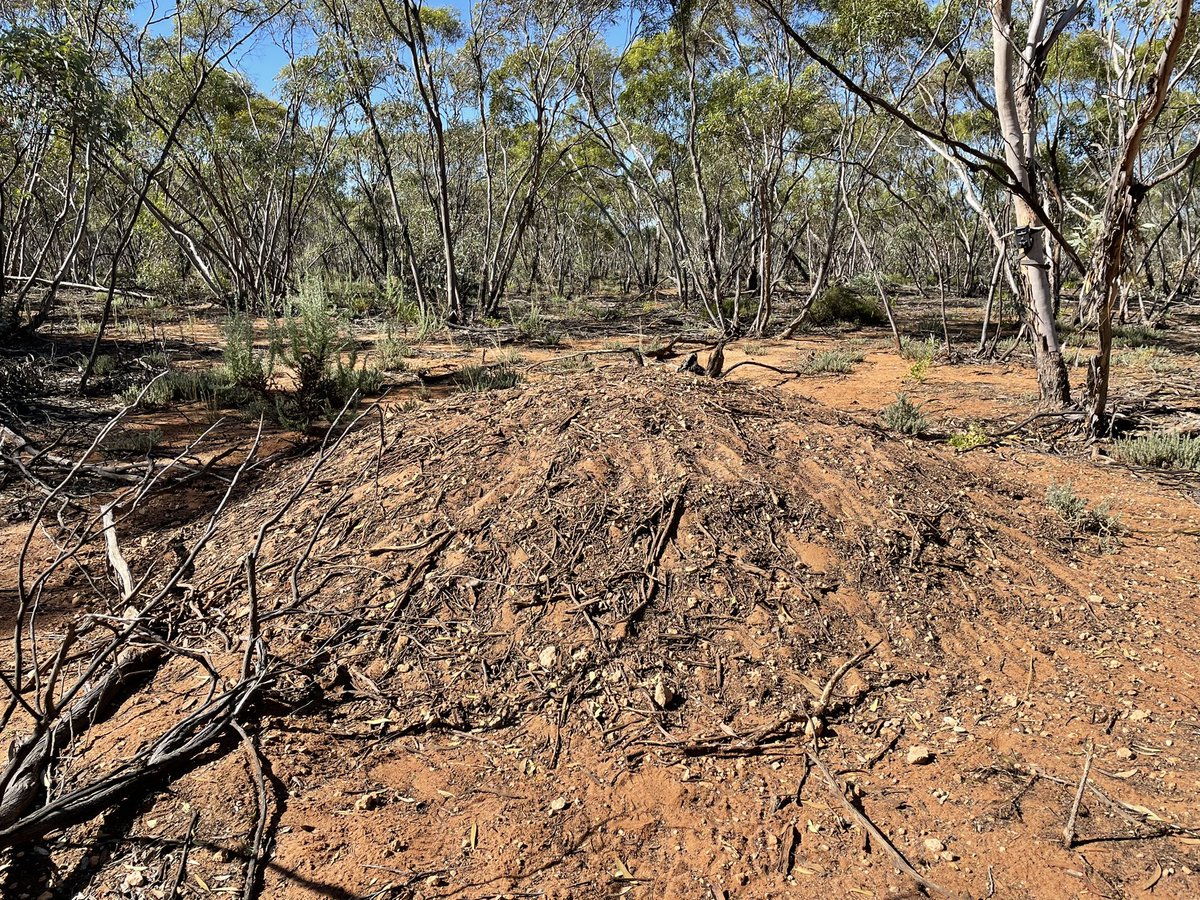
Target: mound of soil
x=565 y=641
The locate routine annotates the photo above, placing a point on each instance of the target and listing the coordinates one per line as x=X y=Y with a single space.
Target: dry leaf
x=1153 y=879
x=1143 y=811
x=622 y=872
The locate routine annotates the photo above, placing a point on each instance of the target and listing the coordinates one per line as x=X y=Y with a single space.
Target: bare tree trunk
x=1125 y=195
x=1015 y=106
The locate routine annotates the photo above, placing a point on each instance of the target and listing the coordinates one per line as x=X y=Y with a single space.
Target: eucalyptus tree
x=1140 y=159
x=234 y=203
x=204 y=34
x=357 y=55
x=525 y=64
x=944 y=98
x=57 y=111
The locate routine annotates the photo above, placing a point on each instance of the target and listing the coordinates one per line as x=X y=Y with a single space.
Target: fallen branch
x=750 y=362
x=876 y=835
x=22 y=780
x=116 y=558
x=633 y=351
x=1069 y=830
x=123 y=472
x=822 y=707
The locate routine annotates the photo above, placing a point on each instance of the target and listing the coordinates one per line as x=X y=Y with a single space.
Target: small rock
x=933 y=845
x=558 y=804
x=949 y=856
x=135 y=879
x=663 y=693
x=548 y=658
x=919 y=755
x=370 y=801
x=1125 y=753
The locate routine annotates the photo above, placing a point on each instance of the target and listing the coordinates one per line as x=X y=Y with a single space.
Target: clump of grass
x=392 y=352
x=534 y=327
x=478 y=379
x=509 y=357
x=918 y=350
x=428 y=323
x=905 y=417
x=20 y=380
x=973 y=437
x=1162 y=450
x=134 y=440
x=395 y=301
x=754 y=348
x=572 y=364
x=188 y=386
x=837 y=362
x=842 y=303
x=104 y=365
x=1076 y=512
x=1136 y=336
x=1157 y=359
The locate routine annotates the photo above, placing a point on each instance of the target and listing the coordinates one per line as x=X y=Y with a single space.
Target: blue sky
x=263 y=59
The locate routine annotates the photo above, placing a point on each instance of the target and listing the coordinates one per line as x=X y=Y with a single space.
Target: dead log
x=25 y=774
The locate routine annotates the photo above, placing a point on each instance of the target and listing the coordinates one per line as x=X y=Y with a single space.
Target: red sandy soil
x=512 y=717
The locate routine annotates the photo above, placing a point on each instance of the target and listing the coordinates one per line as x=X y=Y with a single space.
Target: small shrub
x=842 y=303
x=905 y=416
x=478 y=379
x=919 y=371
x=104 y=365
x=1074 y=510
x=1064 y=501
x=1160 y=451
x=244 y=365
x=316 y=337
x=348 y=379
x=973 y=437
x=838 y=362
